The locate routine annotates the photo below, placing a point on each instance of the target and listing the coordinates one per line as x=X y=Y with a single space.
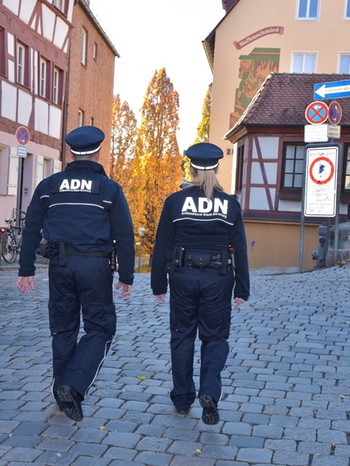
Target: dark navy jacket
x=189 y=220
x=82 y=207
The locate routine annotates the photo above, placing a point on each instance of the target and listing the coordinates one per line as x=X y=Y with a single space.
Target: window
x=58 y=4
x=44 y=78
x=347 y=9
x=239 y=168
x=346 y=184
x=61 y=5
x=22 y=64
x=80 y=117
x=308 y=9
x=293 y=166
x=304 y=63
x=344 y=63
x=57 y=87
x=83 y=46
x=2 y=52
x=95 y=52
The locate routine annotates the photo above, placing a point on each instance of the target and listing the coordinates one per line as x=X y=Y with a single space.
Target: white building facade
x=34 y=48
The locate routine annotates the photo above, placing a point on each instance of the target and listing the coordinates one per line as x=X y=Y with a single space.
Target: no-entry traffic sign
x=317 y=112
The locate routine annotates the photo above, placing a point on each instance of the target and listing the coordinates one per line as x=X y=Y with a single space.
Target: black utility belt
x=70 y=250
x=200 y=260
x=53 y=251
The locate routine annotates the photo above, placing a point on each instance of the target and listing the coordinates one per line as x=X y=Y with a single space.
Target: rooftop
x=283 y=98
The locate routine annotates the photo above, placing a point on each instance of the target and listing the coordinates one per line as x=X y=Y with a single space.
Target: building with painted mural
x=52 y=53
x=254 y=41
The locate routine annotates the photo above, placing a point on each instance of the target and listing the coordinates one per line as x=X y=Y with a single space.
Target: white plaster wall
x=41 y=114
x=8 y=101
x=24 y=107
x=55 y=122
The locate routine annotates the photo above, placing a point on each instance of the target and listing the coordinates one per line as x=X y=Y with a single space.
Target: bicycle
x=11 y=238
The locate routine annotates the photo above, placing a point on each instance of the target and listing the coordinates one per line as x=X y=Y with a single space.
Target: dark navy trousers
x=200 y=300
x=83 y=287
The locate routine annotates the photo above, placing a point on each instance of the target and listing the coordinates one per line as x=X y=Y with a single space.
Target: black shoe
x=70 y=402
x=57 y=400
x=210 y=414
x=180 y=409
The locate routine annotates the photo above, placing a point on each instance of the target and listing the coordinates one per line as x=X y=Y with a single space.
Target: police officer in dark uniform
x=84 y=217
x=201 y=245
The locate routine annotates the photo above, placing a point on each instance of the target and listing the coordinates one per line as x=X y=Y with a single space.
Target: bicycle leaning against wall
x=11 y=238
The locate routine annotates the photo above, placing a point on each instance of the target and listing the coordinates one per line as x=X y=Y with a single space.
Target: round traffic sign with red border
x=321 y=170
x=335 y=113
x=317 y=112
x=22 y=135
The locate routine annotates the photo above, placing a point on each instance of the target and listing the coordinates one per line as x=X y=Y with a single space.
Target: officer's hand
x=161 y=297
x=238 y=302
x=126 y=289
x=24 y=284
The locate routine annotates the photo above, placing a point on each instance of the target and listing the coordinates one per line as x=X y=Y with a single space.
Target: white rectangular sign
x=315 y=133
x=321 y=181
x=321 y=133
x=22 y=152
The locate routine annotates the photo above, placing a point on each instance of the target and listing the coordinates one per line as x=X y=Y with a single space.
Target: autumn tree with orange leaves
x=203 y=129
x=157 y=151
x=145 y=159
x=124 y=135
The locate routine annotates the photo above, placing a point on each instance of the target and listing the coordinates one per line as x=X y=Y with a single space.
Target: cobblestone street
x=286 y=397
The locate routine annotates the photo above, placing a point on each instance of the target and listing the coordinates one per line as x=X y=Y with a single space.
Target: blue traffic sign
x=335 y=113
x=332 y=90
x=22 y=135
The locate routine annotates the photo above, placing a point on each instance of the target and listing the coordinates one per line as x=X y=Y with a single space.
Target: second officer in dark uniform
x=201 y=245
x=85 y=218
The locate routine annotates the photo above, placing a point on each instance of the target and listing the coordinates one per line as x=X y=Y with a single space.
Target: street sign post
x=332 y=90
x=23 y=138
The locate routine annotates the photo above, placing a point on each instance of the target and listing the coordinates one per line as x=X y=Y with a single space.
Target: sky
x=154 y=34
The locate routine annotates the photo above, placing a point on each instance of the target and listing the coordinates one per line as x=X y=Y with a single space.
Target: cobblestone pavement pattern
x=286 y=398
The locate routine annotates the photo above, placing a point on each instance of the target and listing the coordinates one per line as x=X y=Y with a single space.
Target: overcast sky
x=153 y=34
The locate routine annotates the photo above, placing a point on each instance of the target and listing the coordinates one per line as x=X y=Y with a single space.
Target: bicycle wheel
x=8 y=248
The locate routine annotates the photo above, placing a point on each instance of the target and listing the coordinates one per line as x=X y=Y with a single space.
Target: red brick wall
x=90 y=87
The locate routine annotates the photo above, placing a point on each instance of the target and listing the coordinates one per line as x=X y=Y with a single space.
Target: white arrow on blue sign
x=332 y=90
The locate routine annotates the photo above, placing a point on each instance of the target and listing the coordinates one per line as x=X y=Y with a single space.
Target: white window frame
x=80 y=117
x=56 y=86
x=304 y=65
x=308 y=4
x=347 y=9
x=84 y=40
x=59 y=4
x=344 y=63
x=21 y=63
x=43 y=69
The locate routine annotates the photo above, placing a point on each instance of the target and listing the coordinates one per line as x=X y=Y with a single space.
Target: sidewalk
x=286 y=396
